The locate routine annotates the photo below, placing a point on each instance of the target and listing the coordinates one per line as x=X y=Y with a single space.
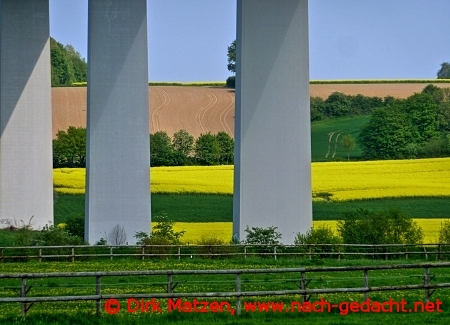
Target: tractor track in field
x=200 y=109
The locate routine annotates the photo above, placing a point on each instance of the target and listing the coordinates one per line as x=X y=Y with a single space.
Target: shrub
x=75 y=225
x=262 y=236
x=214 y=245
x=385 y=227
x=231 y=82
x=316 y=236
x=444 y=232
x=320 y=235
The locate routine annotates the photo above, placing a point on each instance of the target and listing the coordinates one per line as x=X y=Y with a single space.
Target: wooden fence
x=338 y=251
x=303 y=278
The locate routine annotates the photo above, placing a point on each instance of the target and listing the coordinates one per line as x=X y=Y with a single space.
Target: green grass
x=320 y=137
x=83 y=312
x=219 y=208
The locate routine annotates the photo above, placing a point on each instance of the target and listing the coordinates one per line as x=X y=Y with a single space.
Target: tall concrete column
x=26 y=189
x=118 y=157
x=272 y=182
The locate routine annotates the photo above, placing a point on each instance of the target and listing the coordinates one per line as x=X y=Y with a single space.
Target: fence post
x=339 y=252
x=366 y=284
x=73 y=254
x=426 y=254
x=427 y=283
x=98 y=291
x=143 y=252
x=23 y=294
x=303 y=285
x=238 y=295
x=179 y=252
x=245 y=251
x=169 y=283
x=406 y=251
x=40 y=255
x=111 y=253
x=310 y=253
x=275 y=252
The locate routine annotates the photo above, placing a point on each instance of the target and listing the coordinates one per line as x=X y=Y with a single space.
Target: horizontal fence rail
x=304 y=276
x=73 y=253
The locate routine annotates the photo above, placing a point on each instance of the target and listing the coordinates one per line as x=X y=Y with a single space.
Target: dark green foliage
x=207 y=149
x=55 y=236
x=162 y=152
x=391 y=226
x=317 y=106
x=226 y=144
x=183 y=144
x=444 y=71
x=69 y=148
x=231 y=54
x=444 y=232
x=231 y=82
x=320 y=235
x=75 y=225
x=415 y=127
x=262 y=236
x=67 y=65
x=387 y=134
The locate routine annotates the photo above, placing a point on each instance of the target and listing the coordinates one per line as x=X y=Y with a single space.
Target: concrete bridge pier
x=26 y=187
x=118 y=150
x=272 y=180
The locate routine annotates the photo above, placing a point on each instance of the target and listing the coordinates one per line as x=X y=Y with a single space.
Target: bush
x=444 y=232
x=75 y=225
x=385 y=227
x=320 y=235
x=262 y=236
x=316 y=236
x=231 y=82
x=213 y=245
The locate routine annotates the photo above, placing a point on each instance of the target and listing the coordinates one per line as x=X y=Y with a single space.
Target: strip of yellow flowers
x=334 y=181
x=223 y=230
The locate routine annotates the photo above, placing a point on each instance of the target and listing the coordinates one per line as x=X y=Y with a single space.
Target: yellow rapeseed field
x=335 y=181
x=224 y=230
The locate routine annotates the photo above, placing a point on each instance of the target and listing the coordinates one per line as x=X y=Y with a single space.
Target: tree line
x=69 y=149
x=415 y=127
x=67 y=65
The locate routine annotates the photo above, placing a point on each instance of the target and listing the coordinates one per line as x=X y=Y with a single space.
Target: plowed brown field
x=201 y=109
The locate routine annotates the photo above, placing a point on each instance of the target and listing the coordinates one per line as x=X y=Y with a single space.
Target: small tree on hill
x=348 y=143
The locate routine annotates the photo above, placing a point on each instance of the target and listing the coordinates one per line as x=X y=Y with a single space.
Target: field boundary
x=338 y=251
x=302 y=283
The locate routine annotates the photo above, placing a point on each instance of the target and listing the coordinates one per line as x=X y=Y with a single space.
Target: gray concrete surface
x=26 y=188
x=272 y=182
x=117 y=181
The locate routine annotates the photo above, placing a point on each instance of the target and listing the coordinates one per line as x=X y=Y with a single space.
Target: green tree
x=78 y=63
x=226 y=144
x=338 y=104
x=387 y=134
x=162 y=152
x=348 y=143
x=421 y=109
x=183 y=143
x=207 y=149
x=232 y=57
x=61 y=65
x=444 y=71
x=69 y=148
